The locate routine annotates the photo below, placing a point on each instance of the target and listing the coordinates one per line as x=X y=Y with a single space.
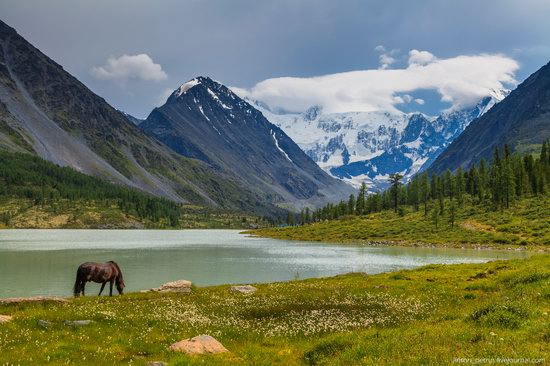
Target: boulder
x=198 y=345
x=180 y=286
x=5 y=319
x=246 y=289
x=77 y=323
x=44 y=324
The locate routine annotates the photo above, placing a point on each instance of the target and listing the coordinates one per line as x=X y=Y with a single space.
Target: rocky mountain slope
x=203 y=119
x=47 y=112
x=368 y=146
x=521 y=120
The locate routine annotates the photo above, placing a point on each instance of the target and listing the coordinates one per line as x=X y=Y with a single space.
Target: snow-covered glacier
x=367 y=147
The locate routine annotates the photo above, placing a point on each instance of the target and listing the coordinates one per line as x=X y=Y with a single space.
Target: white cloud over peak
x=461 y=81
x=130 y=67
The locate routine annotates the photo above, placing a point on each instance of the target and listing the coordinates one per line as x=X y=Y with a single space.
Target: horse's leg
x=111 y=288
x=83 y=286
x=102 y=287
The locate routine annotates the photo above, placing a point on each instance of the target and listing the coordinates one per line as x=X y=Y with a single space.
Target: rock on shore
x=198 y=345
x=181 y=286
x=5 y=319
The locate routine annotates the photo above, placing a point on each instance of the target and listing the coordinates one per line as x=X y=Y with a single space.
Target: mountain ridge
x=205 y=120
x=47 y=112
x=520 y=120
x=366 y=147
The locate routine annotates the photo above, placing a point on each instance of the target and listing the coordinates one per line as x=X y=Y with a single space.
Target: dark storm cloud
x=242 y=42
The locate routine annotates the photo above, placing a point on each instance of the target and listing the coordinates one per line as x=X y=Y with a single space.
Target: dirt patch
x=477 y=226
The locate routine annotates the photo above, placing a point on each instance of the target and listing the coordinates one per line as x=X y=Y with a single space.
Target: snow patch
x=205 y=116
x=215 y=96
x=278 y=147
x=185 y=87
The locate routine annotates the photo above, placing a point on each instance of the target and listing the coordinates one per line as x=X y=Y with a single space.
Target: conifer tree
x=452 y=213
x=395 y=183
x=360 y=205
x=435 y=217
x=424 y=192
x=351 y=204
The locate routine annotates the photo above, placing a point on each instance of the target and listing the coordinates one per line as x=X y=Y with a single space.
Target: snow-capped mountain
x=368 y=146
x=205 y=120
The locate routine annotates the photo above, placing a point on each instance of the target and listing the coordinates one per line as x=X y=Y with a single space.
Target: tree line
x=497 y=185
x=29 y=177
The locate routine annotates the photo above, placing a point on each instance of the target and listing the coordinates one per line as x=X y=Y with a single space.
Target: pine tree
x=508 y=180
x=435 y=217
x=290 y=218
x=424 y=192
x=483 y=180
x=452 y=213
x=360 y=205
x=496 y=178
x=459 y=185
x=395 y=183
x=351 y=204
x=308 y=215
x=544 y=154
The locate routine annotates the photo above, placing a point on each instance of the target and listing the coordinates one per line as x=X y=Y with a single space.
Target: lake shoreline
x=440 y=311
x=43 y=262
x=406 y=244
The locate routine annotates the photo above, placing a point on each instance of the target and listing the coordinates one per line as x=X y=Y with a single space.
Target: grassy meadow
x=525 y=224
x=429 y=316
x=20 y=213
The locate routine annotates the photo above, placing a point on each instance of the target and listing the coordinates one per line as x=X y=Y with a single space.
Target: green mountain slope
x=521 y=120
x=35 y=193
x=47 y=112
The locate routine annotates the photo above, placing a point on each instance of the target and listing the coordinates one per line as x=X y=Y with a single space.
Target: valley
x=281 y=183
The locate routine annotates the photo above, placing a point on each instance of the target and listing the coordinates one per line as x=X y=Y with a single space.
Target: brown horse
x=99 y=273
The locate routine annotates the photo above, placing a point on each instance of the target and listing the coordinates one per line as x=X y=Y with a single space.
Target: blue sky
x=244 y=42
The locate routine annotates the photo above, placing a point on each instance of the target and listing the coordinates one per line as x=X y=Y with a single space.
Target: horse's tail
x=76 y=287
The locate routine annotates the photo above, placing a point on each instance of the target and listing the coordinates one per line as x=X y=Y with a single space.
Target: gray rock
x=180 y=286
x=44 y=324
x=156 y=363
x=77 y=323
x=246 y=289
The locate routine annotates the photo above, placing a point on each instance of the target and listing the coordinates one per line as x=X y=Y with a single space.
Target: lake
x=44 y=262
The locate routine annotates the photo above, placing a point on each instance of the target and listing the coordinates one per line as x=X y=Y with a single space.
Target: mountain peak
x=186 y=86
x=210 y=85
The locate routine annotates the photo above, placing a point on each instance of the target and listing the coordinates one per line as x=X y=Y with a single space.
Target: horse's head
x=120 y=285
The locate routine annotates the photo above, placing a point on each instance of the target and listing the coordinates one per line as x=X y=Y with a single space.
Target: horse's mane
x=119 y=277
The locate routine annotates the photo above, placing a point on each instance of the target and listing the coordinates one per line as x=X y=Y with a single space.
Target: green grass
x=427 y=316
x=526 y=223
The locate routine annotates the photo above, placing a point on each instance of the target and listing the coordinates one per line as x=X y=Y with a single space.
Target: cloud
x=419 y=101
x=386 y=58
x=129 y=67
x=417 y=57
x=460 y=81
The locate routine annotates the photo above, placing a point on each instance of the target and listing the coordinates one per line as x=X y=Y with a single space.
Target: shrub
x=499 y=315
x=527 y=278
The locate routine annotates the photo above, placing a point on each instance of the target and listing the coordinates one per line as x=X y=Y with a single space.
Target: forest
x=495 y=185
x=28 y=177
